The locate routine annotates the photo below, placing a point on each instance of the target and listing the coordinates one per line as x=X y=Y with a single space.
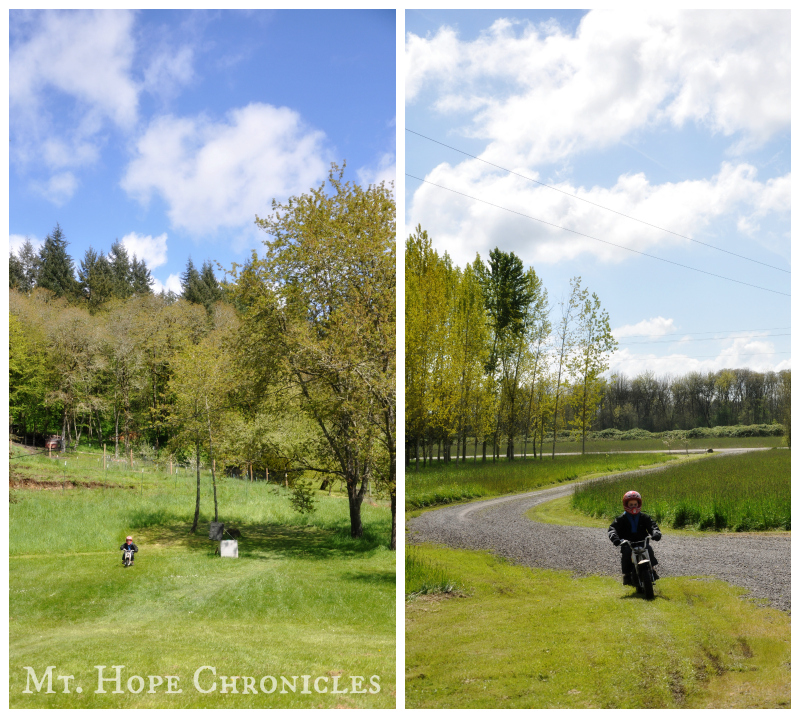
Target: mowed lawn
x=516 y=637
x=302 y=599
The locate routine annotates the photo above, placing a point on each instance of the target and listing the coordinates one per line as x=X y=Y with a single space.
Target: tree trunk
x=213 y=465
x=393 y=544
x=355 y=498
x=197 y=502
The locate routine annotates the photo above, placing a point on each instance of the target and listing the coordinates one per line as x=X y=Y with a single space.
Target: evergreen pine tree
x=95 y=279
x=121 y=270
x=30 y=264
x=16 y=273
x=56 y=271
x=141 y=280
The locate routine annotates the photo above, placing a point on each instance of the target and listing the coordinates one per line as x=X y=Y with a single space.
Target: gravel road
x=760 y=563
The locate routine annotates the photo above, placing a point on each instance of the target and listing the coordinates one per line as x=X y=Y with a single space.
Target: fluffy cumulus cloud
x=84 y=55
x=699 y=354
x=153 y=250
x=214 y=175
x=618 y=74
x=656 y=327
x=75 y=76
x=463 y=226
x=172 y=284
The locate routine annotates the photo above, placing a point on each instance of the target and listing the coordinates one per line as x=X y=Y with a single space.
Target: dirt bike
x=127 y=557
x=643 y=575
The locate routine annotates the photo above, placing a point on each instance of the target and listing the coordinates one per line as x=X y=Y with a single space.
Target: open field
x=746 y=492
x=442 y=484
x=302 y=599
x=536 y=638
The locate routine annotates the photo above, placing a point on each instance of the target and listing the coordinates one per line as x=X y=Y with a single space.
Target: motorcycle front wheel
x=647 y=586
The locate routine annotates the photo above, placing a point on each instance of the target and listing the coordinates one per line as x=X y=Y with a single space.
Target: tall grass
x=424 y=576
x=446 y=483
x=746 y=492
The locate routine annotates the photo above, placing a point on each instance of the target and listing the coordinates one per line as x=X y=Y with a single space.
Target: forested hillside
x=285 y=369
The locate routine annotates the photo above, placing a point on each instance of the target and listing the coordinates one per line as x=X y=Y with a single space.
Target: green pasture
x=745 y=492
x=302 y=599
x=446 y=483
x=517 y=637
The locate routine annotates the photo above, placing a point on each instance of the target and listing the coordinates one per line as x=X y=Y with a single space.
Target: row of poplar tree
x=290 y=371
x=489 y=362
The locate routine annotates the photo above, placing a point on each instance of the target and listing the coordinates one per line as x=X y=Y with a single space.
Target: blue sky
x=172 y=130
x=679 y=119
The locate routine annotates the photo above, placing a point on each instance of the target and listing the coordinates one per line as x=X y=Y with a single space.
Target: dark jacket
x=621 y=528
x=133 y=547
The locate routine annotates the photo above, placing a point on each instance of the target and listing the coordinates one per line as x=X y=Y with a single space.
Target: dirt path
x=760 y=563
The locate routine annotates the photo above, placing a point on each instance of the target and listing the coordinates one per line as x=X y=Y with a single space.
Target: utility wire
x=581 y=234
x=705 y=356
x=730 y=331
x=709 y=339
x=588 y=201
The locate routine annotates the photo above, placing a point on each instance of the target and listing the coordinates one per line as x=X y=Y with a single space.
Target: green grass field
x=302 y=599
x=441 y=484
x=531 y=638
x=747 y=492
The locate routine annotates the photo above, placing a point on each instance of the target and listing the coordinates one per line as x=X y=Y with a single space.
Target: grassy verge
x=747 y=492
x=440 y=484
x=529 y=638
x=424 y=577
x=303 y=598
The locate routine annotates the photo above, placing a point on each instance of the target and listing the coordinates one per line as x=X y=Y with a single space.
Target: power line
x=704 y=356
x=588 y=201
x=581 y=234
x=709 y=339
x=714 y=331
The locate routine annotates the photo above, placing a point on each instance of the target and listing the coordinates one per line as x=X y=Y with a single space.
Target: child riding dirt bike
x=128 y=549
x=633 y=525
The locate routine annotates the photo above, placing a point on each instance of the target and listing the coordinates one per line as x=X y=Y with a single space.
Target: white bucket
x=229 y=549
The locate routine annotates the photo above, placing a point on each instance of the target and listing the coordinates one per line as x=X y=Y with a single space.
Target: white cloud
x=72 y=77
x=221 y=174
x=464 y=226
x=656 y=327
x=153 y=250
x=754 y=353
x=59 y=188
x=15 y=242
x=619 y=73
x=168 y=70
x=173 y=284
x=85 y=54
x=385 y=170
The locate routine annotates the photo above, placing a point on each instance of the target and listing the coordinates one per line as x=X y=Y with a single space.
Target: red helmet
x=632 y=495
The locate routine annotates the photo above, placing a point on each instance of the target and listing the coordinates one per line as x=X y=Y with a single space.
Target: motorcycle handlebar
x=645 y=541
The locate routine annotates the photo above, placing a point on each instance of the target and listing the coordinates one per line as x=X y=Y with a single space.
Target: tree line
x=100 y=277
x=286 y=369
x=715 y=398
x=492 y=362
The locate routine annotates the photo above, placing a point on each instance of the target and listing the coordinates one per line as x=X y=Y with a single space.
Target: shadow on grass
x=376 y=577
x=268 y=541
